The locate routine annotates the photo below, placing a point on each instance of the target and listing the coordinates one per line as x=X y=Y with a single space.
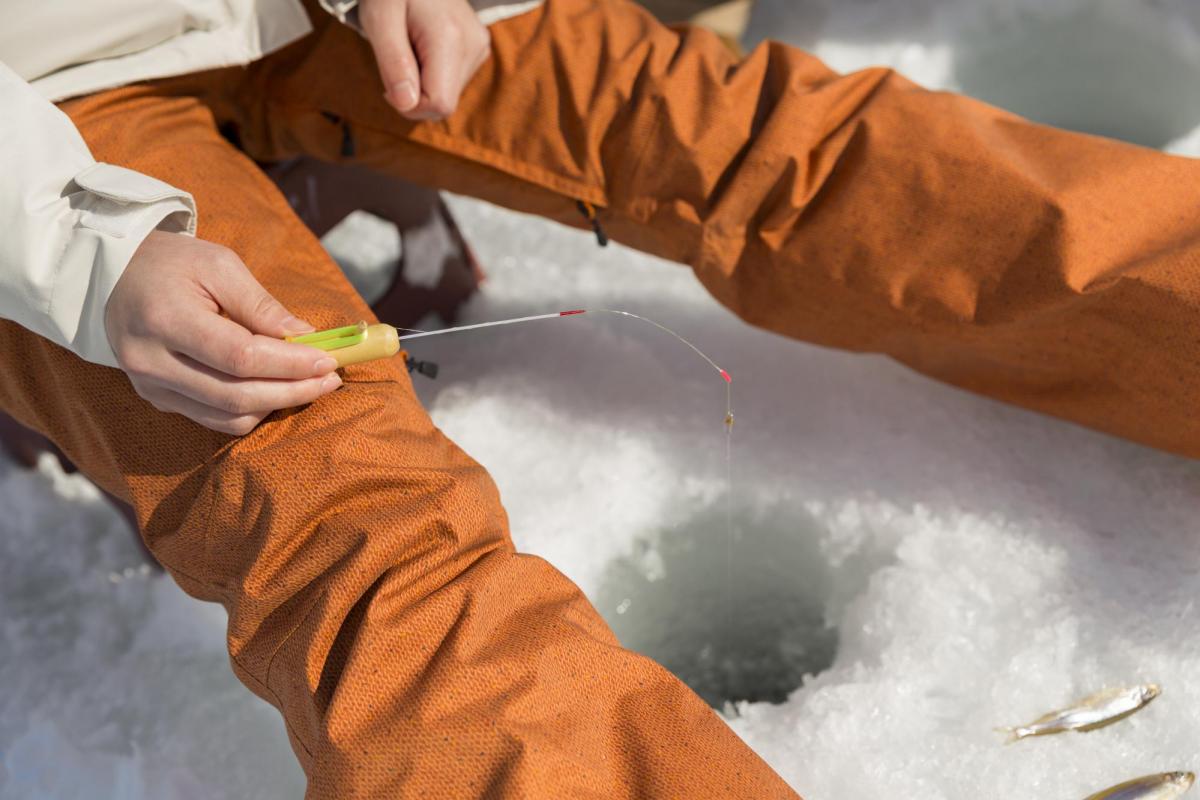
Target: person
x=373 y=592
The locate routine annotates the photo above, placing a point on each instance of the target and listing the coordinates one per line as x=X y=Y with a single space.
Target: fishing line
x=728 y=409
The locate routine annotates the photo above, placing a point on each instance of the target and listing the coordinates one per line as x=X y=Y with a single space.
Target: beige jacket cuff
x=70 y=225
x=490 y=11
x=118 y=208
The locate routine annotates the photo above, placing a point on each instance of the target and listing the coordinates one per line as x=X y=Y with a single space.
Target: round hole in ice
x=741 y=620
x=1107 y=67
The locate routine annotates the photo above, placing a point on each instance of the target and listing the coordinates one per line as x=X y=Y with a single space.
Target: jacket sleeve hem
x=489 y=11
x=119 y=209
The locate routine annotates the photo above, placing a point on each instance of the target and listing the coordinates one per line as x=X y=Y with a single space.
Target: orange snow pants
x=1051 y=270
x=373 y=592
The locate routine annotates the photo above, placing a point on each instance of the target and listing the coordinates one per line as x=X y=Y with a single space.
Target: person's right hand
x=427 y=51
x=164 y=323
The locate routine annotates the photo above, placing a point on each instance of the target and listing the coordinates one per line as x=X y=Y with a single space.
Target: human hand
x=164 y=323
x=426 y=50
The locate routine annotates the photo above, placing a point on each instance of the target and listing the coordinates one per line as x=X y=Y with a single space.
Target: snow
x=1113 y=67
x=944 y=563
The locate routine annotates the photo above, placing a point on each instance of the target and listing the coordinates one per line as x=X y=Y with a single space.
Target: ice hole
x=741 y=622
x=1107 y=68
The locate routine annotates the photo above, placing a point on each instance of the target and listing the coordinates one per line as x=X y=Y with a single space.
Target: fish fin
x=1051 y=717
x=1013 y=734
x=1102 y=696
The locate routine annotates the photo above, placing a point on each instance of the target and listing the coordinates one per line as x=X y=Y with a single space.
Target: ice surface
x=113 y=683
x=950 y=563
x=1123 y=68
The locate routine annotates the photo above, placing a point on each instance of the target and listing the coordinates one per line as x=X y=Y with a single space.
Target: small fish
x=1092 y=712
x=1165 y=786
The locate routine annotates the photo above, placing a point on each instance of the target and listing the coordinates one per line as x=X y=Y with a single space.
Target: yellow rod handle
x=379 y=341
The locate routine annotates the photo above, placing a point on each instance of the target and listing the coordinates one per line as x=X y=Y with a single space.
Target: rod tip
x=725 y=375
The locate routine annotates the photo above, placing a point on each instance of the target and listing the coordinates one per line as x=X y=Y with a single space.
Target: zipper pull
x=589 y=213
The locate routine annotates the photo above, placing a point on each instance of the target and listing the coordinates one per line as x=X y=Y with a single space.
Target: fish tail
x=1013 y=734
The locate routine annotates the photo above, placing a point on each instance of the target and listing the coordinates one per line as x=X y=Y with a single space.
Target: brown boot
x=437 y=271
x=24 y=446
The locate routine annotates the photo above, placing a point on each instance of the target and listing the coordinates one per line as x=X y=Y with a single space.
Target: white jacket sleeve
x=69 y=225
x=489 y=11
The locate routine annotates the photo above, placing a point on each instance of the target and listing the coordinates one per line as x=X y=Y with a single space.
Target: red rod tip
x=725 y=375
x=571 y=313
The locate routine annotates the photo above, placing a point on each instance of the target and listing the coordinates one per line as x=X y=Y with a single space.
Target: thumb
x=386 y=26
x=247 y=303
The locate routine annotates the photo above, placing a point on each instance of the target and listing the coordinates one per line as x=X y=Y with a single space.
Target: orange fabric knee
x=1052 y=270
x=373 y=593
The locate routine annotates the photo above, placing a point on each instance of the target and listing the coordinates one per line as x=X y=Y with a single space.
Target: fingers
x=386 y=25
x=163 y=319
x=245 y=345
x=245 y=300
x=227 y=347
x=449 y=55
x=170 y=402
x=224 y=397
x=177 y=384
x=441 y=74
x=426 y=51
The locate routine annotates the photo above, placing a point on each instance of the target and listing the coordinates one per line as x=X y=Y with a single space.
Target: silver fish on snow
x=1165 y=786
x=1094 y=711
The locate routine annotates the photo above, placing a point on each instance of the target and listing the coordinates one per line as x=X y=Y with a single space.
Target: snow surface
x=946 y=563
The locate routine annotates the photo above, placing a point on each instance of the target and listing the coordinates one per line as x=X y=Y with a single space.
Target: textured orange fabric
x=372 y=589
x=373 y=592
x=1053 y=270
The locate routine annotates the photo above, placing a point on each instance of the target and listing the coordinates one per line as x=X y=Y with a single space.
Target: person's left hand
x=426 y=50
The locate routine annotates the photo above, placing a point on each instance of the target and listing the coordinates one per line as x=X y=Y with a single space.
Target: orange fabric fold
x=372 y=589
x=1052 y=270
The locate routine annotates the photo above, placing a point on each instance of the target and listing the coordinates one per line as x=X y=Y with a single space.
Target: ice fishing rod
x=356 y=344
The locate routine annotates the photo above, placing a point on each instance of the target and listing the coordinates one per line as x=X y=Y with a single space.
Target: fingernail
x=324 y=365
x=294 y=326
x=404 y=94
x=331 y=382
